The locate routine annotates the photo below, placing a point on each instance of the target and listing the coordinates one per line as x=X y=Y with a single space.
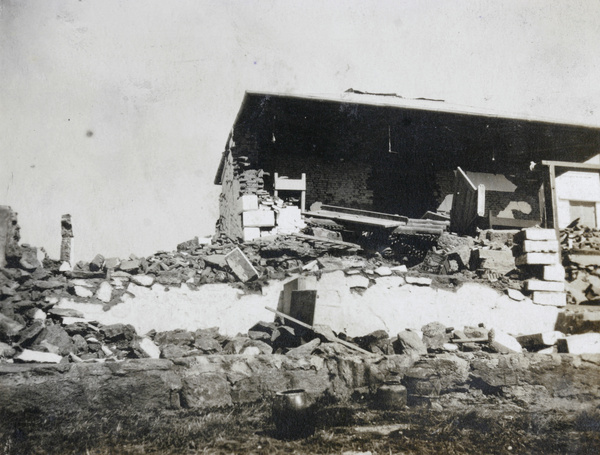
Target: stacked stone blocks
x=538 y=257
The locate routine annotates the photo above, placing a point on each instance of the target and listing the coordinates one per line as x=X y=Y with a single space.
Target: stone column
x=66 y=246
x=5 y=218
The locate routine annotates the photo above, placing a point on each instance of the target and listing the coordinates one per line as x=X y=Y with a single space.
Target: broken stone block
x=504 y=343
x=475 y=332
x=9 y=327
x=418 y=280
x=515 y=295
x=29 y=356
x=247 y=203
x=409 y=343
x=328 y=234
x=39 y=315
x=112 y=263
x=557 y=299
x=304 y=350
x=539 y=246
x=65 y=312
x=97 y=263
x=29 y=260
x=500 y=261
x=28 y=334
x=208 y=345
x=537 y=258
x=240 y=265
x=175 y=337
x=79 y=344
x=6 y=351
x=377 y=342
x=251 y=233
x=172 y=351
x=118 y=332
x=383 y=271
x=65 y=267
x=55 y=335
x=131 y=266
x=104 y=292
x=450 y=347
x=147 y=346
x=550 y=286
x=399 y=268
x=434 y=335
x=586 y=343
x=171 y=278
x=554 y=272
x=258 y=218
x=585 y=260
x=143 y=280
x=535 y=234
x=49 y=284
x=188 y=245
x=81 y=291
x=537 y=341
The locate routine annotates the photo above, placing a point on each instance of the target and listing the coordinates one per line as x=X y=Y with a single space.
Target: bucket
x=391 y=395
x=293 y=414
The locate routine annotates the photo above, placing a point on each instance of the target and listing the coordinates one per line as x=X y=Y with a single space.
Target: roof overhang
x=256 y=108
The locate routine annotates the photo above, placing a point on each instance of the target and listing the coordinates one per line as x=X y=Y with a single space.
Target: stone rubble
x=30 y=289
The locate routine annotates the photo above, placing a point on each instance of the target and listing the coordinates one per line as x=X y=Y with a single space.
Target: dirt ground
x=454 y=424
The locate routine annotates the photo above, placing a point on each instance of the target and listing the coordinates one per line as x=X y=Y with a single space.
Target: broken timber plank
x=327 y=241
x=318 y=332
x=418 y=230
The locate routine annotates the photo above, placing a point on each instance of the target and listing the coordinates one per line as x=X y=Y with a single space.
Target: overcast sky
x=117 y=111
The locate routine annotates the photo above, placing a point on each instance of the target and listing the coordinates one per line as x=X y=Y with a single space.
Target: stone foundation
x=215 y=381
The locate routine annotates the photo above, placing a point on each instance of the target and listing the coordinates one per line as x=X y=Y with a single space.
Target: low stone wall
x=214 y=381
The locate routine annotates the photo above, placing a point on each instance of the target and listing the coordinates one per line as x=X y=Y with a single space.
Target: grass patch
x=249 y=429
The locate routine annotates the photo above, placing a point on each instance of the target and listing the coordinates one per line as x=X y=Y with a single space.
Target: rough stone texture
x=210 y=381
x=97 y=263
x=55 y=335
x=500 y=261
x=442 y=374
x=562 y=375
x=578 y=322
x=434 y=335
x=409 y=343
x=9 y=327
x=104 y=292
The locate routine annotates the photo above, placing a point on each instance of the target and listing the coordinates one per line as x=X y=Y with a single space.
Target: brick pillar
x=66 y=246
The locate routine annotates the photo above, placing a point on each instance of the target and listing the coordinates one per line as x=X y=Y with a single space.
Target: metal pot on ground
x=391 y=395
x=293 y=414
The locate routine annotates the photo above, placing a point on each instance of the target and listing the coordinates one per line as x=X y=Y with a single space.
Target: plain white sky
x=117 y=111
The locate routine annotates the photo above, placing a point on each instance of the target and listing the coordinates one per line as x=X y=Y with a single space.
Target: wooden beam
x=572 y=165
x=552 y=173
x=328 y=337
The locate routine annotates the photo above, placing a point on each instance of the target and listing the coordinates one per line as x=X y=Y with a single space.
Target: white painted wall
x=577 y=186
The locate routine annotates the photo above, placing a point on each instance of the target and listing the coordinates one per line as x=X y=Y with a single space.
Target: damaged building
x=384 y=160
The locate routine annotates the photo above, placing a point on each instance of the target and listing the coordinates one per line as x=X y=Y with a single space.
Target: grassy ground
x=485 y=429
